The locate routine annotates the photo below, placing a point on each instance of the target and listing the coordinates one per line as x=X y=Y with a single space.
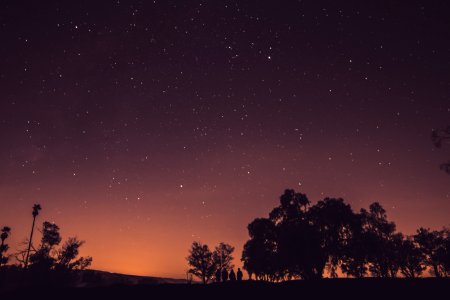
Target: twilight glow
x=141 y=127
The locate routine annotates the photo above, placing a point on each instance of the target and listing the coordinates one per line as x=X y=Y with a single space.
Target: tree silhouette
x=47 y=257
x=435 y=246
x=300 y=250
x=259 y=254
x=411 y=259
x=444 y=253
x=35 y=213
x=222 y=256
x=292 y=207
x=5 y=232
x=381 y=241
x=66 y=258
x=299 y=241
x=354 y=260
x=201 y=261
x=335 y=221
x=43 y=258
x=441 y=137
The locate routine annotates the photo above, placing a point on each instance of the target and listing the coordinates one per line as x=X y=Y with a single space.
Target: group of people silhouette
x=224 y=276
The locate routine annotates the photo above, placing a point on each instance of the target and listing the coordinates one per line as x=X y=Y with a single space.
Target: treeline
x=300 y=240
x=47 y=261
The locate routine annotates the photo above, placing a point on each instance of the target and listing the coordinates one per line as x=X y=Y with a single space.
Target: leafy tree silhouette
x=201 y=261
x=222 y=256
x=354 y=260
x=292 y=206
x=335 y=221
x=35 y=213
x=43 y=259
x=47 y=257
x=381 y=241
x=66 y=258
x=300 y=249
x=259 y=254
x=444 y=254
x=301 y=241
x=5 y=232
x=411 y=259
x=435 y=247
x=441 y=137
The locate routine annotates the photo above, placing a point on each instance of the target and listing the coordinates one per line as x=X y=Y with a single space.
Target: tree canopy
x=300 y=240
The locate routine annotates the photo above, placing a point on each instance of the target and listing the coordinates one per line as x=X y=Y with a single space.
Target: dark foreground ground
x=426 y=288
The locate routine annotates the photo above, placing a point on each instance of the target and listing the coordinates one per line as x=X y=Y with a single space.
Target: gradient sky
x=141 y=126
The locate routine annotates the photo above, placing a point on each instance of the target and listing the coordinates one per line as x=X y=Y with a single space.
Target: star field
x=141 y=126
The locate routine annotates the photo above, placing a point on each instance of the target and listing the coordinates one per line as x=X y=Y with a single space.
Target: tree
x=298 y=246
x=381 y=241
x=411 y=259
x=201 y=261
x=66 y=258
x=43 y=259
x=5 y=232
x=299 y=241
x=259 y=254
x=47 y=257
x=35 y=213
x=335 y=221
x=292 y=207
x=50 y=235
x=300 y=250
x=288 y=244
x=354 y=260
x=435 y=247
x=444 y=253
x=441 y=137
x=222 y=256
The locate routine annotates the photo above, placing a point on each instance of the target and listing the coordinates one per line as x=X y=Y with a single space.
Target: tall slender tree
x=35 y=213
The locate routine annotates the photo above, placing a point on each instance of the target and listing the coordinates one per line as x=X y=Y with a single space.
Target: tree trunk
x=29 y=243
x=436 y=271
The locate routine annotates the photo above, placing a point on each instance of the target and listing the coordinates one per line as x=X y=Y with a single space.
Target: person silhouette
x=218 y=275
x=224 y=275
x=232 y=275
x=239 y=274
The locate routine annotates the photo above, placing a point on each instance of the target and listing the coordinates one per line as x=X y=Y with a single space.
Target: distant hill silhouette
x=11 y=280
x=103 y=278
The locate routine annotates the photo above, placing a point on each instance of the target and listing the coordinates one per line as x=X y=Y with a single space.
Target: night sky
x=143 y=126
